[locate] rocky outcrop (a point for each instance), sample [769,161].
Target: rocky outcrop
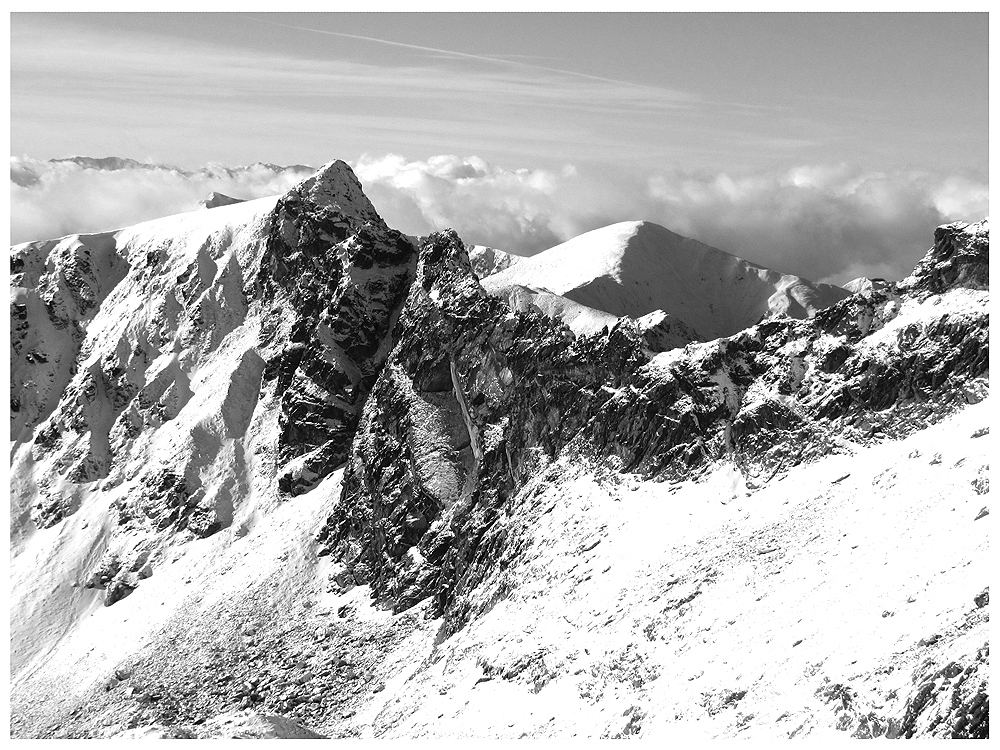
[56,286]
[472,392]
[424,501]
[332,260]
[960,258]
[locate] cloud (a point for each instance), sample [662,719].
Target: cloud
[52,199]
[821,221]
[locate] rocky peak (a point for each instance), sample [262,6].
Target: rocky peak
[332,260]
[959,258]
[335,187]
[260,333]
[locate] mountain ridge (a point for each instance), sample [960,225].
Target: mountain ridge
[25,176]
[635,268]
[328,451]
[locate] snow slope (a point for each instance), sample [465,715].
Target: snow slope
[702,611]
[815,607]
[487,261]
[45,607]
[582,320]
[635,268]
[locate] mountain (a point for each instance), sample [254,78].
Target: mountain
[636,268]
[864,285]
[28,173]
[117,163]
[110,163]
[487,261]
[660,330]
[215,199]
[278,469]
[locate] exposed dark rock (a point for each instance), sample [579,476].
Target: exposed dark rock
[781,393]
[951,701]
[331,258]
[960,258]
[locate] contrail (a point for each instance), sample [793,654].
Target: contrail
[465,55]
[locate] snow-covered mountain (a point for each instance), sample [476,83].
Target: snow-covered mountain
[487,261]
[280,470]
[636,268]
[116,163]
[216,199]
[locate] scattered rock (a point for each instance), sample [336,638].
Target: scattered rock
[982,598]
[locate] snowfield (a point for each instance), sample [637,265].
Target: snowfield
[703,611]
[688,611]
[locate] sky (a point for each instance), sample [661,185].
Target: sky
[820,144]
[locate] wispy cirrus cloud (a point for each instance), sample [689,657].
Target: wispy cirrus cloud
[142,91]
[521,62]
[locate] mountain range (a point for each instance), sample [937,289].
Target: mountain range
[25,176]
[281,470]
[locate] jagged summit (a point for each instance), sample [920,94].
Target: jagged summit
[635,268]
[337,188]
[960,257]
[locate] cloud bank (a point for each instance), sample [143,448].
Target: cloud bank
[52,199]
[826,222]
[823,222]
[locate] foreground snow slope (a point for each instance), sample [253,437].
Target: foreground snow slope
[820,605]
[635,268]
[700,610]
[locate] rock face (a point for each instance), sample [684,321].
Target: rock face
[188,366]
[422,496]
[214,371]
[331,258]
